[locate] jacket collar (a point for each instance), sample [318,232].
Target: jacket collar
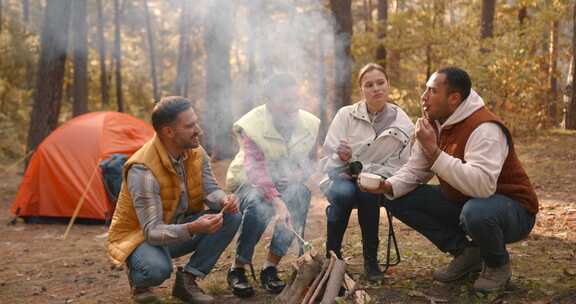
[360,111]
[300,131]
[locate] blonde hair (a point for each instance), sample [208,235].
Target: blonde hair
[370,67]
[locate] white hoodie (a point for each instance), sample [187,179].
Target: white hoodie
[484,155]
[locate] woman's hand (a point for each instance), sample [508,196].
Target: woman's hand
[344,151]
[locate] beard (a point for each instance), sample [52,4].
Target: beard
[189,143]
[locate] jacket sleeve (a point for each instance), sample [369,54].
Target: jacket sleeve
[337,131]
[415,172]
[392,150]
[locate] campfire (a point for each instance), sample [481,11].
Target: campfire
[315,278]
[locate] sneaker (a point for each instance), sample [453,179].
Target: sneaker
[186,289]
[468,261]
[239,284]
[493,279]
[270,280]
[144,295]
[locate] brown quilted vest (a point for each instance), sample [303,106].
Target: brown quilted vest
[513,180]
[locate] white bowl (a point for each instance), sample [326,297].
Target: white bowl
[369,181]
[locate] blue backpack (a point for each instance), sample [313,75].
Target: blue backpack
[112,176]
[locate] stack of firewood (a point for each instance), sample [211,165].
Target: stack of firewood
[317,279]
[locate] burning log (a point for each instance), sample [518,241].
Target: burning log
[314,277]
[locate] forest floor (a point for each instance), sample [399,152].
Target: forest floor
[37,266]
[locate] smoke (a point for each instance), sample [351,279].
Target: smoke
[246,42]
[268,37]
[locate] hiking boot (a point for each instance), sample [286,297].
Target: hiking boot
[186,289]
[371,267]
[372,271]
[270,280]
[493,278]
[239,284]
[468,261]
[144,295]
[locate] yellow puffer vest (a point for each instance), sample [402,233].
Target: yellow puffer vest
[282,158]
[125,233]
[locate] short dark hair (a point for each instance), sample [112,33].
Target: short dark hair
[167,109]
[278,81]
[457,80]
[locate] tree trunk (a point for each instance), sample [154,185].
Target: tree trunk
[80,89]
[1,19]
[51,65]
[571,108]
[522,14]
[102,53]
[183,67]
[254,8]
[342,10]
[552,72]
[487,21]
[381,30]
[152,52]
[368,15]
[217,119]
[118,56]
[29,61]
[26,11]
[322,88]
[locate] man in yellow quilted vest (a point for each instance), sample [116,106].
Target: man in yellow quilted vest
[161,210]
[277,153]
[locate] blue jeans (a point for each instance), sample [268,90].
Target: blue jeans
[257,213]
[490,222]
[151,265]
[344,196]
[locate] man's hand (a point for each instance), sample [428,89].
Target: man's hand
[230,204]
[344,151]
[282,214]
[384,188]
[426,136]
[206,224]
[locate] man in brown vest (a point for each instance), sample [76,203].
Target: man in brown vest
[484,200]
[160,213]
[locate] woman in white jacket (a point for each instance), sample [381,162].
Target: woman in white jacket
[376,134]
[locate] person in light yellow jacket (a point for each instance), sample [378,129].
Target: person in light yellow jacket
[160,214]
[277,152]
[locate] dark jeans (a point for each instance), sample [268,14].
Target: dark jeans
[257,214]
[344,196]
[490,222]
[151,265]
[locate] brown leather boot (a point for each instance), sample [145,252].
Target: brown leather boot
[468,261]
[144,295]
[493,278]
[186,289]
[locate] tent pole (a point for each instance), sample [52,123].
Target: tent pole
[81,201]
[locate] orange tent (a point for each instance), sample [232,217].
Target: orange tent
[61,167]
